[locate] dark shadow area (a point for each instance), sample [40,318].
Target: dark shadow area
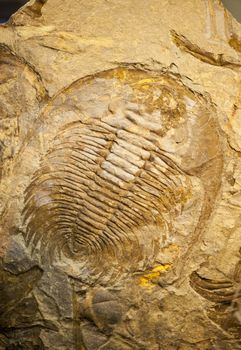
[234,6]
[8,7]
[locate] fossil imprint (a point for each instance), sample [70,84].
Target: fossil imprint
[124,162]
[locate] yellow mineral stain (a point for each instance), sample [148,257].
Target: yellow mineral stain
[147,81]
[148,280]
[145,87]
[121,74]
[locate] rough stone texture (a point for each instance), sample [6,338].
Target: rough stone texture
[120,134]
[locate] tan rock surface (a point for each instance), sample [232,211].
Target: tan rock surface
[120,193]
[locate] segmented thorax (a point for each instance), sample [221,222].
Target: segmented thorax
[120,166]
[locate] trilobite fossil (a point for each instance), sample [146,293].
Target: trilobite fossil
[126,144]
